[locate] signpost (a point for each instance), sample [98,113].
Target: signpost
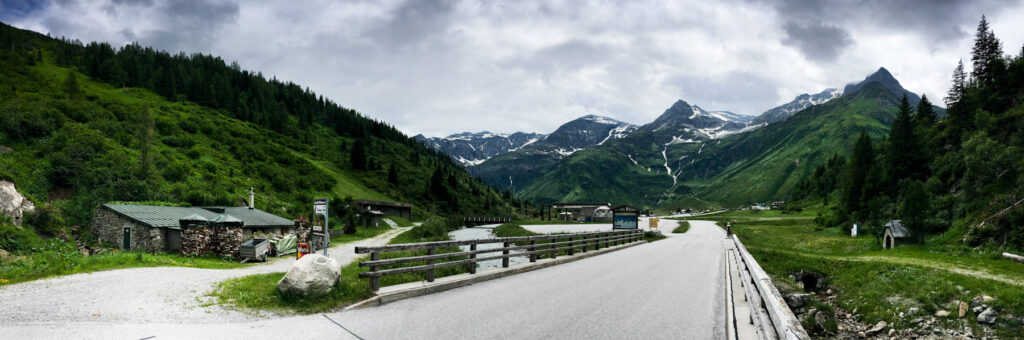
[320,227]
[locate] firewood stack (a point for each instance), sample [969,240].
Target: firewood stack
[196,240]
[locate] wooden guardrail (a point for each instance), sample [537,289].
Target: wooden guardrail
[478,220]
[781,318]
[535,246]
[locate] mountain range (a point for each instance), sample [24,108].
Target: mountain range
[689,156]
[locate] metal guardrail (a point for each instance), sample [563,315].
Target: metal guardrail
[760,288]
[549,245]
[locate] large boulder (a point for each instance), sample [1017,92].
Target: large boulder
[311,275]
[12,203]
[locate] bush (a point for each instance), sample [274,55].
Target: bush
[435,228]
[14,238]
[45,221]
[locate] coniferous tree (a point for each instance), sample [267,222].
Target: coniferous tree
[905,155]
[393,175]
[855,176]
[145,140]
[358,156]
[71,86]
[915,208]
[986,54]
[925,114]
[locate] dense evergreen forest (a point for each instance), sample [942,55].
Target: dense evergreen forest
[961,177]
[90,123]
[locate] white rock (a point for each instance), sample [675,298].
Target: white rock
[988,316]
[12,203]
[942,313]
[311,275]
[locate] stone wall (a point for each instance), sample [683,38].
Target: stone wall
[106,225]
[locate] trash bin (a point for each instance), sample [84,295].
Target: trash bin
[302,249]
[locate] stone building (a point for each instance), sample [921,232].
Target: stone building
[402,210]
[188,230]
[894,230]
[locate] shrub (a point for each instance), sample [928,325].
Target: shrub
[435,228]
[45,221]
[14,238]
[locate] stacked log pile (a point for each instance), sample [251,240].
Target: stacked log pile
[196,240]
[227,239]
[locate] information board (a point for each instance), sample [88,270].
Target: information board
[625,222]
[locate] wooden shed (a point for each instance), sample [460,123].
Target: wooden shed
[894,230]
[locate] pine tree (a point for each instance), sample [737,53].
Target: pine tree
[855,175]
[925,114]
[958,86]
[915,207]
[986,54]
[358,156]
[905,154]
[145,140]
[71,86]
[393,175]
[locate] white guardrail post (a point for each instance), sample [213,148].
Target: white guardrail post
[786,325]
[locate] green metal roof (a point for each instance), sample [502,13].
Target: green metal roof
[169,217]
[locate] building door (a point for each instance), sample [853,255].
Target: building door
[127,244]
[888,242]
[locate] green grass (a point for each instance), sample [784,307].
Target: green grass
[361,234]
[55,258]
[879,284]
[402,223]
[259,292]
[512,230]
[683,227]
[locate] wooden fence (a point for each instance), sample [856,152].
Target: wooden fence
[480,220]
[763,294]
[534,246]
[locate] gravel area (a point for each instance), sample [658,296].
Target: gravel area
[143,295]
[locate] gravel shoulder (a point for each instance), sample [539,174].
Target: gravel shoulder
[143,295]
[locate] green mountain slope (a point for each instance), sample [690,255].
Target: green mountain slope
[76,146]
[755,166]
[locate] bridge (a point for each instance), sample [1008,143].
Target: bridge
[472,221]
[696,285]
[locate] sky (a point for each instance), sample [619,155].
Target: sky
[439,67]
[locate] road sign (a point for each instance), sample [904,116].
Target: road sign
[320,208]
[654,222]
[318,229]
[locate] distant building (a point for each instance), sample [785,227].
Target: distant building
[579,211]
[396,209]
[371,218]
[759,206]
[602,214]
[894,230]
[778,204]
[159,228]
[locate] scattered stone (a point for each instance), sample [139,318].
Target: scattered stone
[313,274]
[987,299]
[978,309]
[797,300]
[862,334]
[917,321]
[3,253]
[877,328]
[942,313]
[988,316]
[829,292]
[963,310]
[6,148]
[892,331]
[976,302]
[913,310]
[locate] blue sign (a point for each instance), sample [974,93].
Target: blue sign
[625,222]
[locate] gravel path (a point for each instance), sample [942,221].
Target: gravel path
[143,295]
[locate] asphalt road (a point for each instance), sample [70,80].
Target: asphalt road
[669,289]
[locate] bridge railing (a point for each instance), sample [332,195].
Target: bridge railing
[530,246]
[761,290]
[474,220]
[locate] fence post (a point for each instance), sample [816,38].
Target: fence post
[572,246]
[583,243]
[554,253]
[472,265]
[374,281]
[504,260]
[533,257]
[430,272]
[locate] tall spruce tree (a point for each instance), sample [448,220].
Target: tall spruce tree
[986,54]
[854,177]
[905,154]
[71,86]
[925,114]
[915,207]
[358,155]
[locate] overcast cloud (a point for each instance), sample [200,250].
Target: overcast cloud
[439,67]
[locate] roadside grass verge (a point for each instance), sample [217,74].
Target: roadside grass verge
[683,227]
[512,230]
[880,284]
[56,258]
[539,222]
[361,234]
[402,223]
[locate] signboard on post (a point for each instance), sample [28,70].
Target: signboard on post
[321,222]
[625,217]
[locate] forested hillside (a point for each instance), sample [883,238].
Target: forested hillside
[961,177]
[90,124]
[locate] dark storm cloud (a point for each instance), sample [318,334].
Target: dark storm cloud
[188,25]
[938,21]
[723,91]
[817,41]
[413,22]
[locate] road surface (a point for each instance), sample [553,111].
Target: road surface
[669,289]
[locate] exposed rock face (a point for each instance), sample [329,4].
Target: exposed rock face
[311,275]
[12,203]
